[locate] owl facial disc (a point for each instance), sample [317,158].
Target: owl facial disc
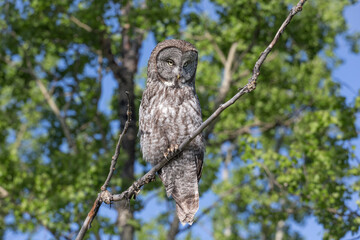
[175,67]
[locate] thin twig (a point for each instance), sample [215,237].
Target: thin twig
[52,104]
[117,150]
[81,24]
[264,126]
[263,55]
[56,111]
[20,135]
[216,48]
[229,68]
[174,228]
[105,195]
[226,83]
[272,178]
[3,192]
[99,90]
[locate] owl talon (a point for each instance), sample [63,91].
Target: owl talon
[171,151]
[136,191]
[174,148]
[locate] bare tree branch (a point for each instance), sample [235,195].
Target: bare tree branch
[81,24]
[174,228]
[230,64]
[134,189]
[52,105]
[20,135]
[131,41]
[117,150]
[263,126]
[225,85]
[57,113]
[3,192]
[263,55]
[97,113]
[49,100]
[272,178]
[105,195]
[216,48]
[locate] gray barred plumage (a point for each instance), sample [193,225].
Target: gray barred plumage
[169,112]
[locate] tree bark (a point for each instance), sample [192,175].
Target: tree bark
[174,229]
[130,46]
[124,74]
[280,230]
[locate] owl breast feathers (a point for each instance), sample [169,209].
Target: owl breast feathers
[169,113]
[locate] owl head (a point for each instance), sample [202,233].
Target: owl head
[173,63]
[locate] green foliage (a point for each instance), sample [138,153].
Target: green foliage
[281,153]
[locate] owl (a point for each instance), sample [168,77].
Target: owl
[169,113]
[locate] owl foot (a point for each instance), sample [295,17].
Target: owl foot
[151,178]
[136,191]
[171,151]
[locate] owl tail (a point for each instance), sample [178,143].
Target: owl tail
[181,183]
[186,205]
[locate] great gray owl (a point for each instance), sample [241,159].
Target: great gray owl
[169,112]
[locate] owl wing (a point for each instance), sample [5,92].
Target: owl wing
[199,160]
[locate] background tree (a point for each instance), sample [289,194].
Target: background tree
[282,154]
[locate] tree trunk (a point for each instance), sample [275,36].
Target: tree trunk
[280,230]
[174,229]
[130,45]
[131,42]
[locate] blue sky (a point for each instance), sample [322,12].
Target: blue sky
[348,74]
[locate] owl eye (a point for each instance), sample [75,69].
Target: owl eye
[186,63]
[170,62]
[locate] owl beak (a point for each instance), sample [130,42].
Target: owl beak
[178,76]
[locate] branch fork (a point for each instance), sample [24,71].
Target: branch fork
[106,196]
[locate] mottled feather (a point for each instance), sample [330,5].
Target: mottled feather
[170,112]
